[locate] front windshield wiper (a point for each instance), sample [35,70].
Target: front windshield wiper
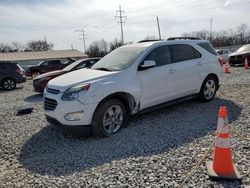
[103,69]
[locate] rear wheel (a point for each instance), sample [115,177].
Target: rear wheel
[108,119]
[9,84]
[208,89]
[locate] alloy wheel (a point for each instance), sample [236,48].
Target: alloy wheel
[209,89]
[113,119]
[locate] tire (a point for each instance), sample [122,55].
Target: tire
[9,84]
[107,111]
[208,89]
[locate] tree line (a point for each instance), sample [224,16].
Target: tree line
[231,37]
[31,46]
[99,48]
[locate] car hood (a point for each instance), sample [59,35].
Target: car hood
[239,53]
[65,81]
[50,74]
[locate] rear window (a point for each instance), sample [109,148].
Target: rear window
[184,52]
[208,47]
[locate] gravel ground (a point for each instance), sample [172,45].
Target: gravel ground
[158,149]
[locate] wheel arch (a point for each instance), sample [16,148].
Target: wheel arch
[127,100]
[216,78]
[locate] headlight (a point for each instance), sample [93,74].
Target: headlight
[75,92]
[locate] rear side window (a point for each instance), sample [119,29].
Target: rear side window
[208,47]
[184,52]
[55,62]
[160,55]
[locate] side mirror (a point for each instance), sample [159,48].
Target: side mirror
[147,64]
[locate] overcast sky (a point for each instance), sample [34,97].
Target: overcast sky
[24,20]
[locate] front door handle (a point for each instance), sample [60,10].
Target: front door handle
[171,71]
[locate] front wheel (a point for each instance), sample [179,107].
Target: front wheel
[108,118]
[208,89]
[9,84]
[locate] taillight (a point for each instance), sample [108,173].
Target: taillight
[19,70]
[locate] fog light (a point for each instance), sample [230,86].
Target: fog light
[75,116]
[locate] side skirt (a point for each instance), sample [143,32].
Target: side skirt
[169,103]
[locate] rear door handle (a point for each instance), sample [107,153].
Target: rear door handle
[199,63]
[171,71]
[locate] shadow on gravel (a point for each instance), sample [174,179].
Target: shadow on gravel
[38,98]
[52,153]
[5,91]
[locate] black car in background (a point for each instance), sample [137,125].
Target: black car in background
[10,75]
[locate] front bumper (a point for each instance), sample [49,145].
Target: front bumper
[76,130]
[38,87]
[57,109]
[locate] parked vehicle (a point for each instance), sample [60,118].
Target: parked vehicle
[47,66]
[224,54]
[40,82]
[132,79]
[238,57]
[11,74]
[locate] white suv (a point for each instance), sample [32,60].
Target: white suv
[131,79]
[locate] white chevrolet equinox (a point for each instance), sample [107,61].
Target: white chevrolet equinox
[132,79]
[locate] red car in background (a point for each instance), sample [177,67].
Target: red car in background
[40,82]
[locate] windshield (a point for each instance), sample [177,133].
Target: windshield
[72,65]
[119,59]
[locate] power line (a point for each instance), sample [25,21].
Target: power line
[120,16]
[159,31]
[83,38]
[211,24]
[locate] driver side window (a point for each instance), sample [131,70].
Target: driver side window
[161,56]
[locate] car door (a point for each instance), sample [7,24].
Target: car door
[54,65]
[158,83]
[188,66]
[2,71]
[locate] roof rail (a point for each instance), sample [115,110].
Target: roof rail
[184,38]
[150,40]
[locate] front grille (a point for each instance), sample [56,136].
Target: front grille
[53,91]
[49,104]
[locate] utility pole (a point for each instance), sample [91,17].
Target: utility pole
[46,44]
[121,12]
[159,31]
[211,24]
[83,38]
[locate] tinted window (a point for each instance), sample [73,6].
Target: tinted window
[45,63]
[2,66]
[161,56]
[197,53]
[183,52]
[56,62]
[207,46]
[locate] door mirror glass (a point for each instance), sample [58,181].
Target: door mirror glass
[147,64]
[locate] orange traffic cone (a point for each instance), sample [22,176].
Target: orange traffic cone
[246,63]
[222,166]
[226,68]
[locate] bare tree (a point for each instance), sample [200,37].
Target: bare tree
[39,45]
[97,48]
[230,37]
[4,48]
[114,44]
